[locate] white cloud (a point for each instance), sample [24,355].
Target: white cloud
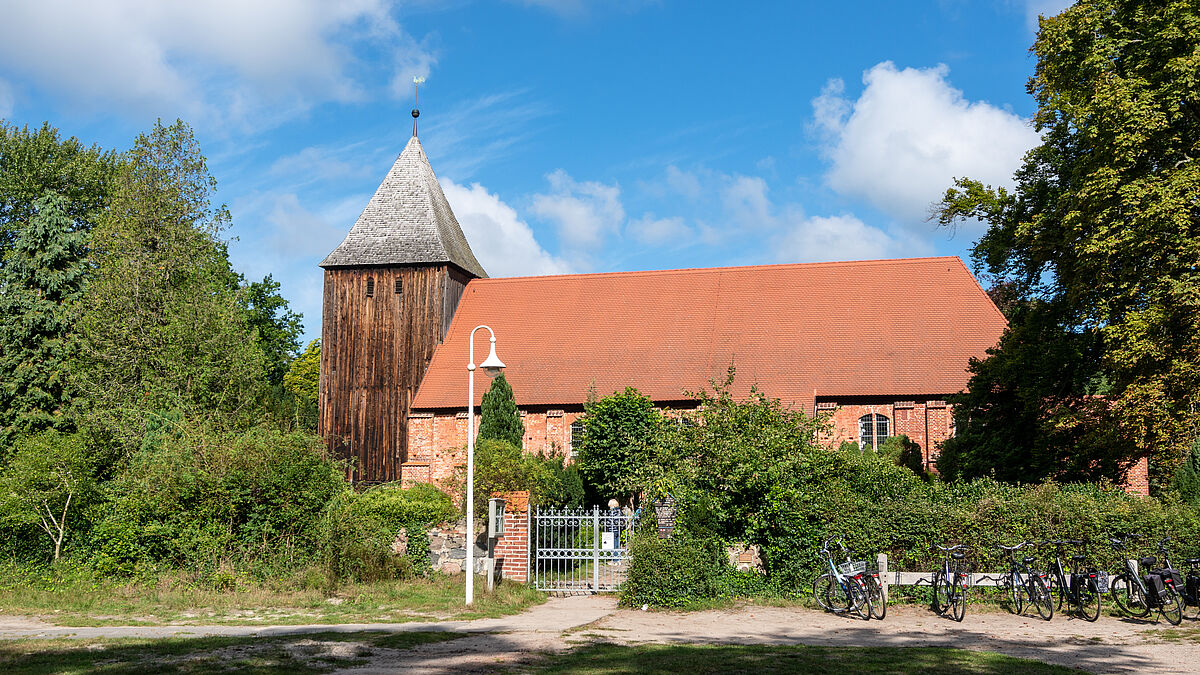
[584,213]
[1044,7]
[501,241]
[657,231]
[909,134]
[685,183]
[840,237]
[746,202]
[218,61]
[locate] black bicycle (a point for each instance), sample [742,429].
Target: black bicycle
[1138,595]
[951,581]
[1191,588]
[1082,587]
[1026,586]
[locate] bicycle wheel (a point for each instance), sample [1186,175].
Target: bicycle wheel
[1171,607]
[822,590]
[959,597]
[941,599]
[1089,601]
[860,598]
[1057,591]
[1039,596]
[1016,599]
[878,602]
[1128,596]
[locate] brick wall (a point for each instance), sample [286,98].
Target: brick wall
[512,549]
[1137,480]
[926,422]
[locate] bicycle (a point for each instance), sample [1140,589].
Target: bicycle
[1191,587]
[1137,595]
[1083,588]
[1025,585]
[841,589]
[950,583]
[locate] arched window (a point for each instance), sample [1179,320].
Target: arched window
[872,431]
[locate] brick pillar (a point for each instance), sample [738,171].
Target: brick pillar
[1137,480]
[512,549]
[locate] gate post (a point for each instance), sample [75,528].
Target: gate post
[595,549]
[513,547]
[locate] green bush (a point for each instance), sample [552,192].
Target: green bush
[360,529]
[200,498]
[502,467]
[673,572]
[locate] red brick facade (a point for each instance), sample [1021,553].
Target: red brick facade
[512,549]
[926,422]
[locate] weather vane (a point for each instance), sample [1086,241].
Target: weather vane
[417,82]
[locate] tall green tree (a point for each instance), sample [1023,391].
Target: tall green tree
[34,162]
[620,441]
[162,326]
[500,418]
[279,328]
[41,283]
[1101,236]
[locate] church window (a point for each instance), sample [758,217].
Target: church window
[576,437]
[873,430]
[370,287]
[399,286]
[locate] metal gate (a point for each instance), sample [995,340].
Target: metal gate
[580,550]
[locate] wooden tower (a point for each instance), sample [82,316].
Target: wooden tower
[391,289]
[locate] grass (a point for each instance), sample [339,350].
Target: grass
[699,659]
[75,598]
[311,653]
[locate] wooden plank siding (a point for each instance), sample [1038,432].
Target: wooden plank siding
[374,352]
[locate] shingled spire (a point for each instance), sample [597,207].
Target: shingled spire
[408,221]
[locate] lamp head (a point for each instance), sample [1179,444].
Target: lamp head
[492,365]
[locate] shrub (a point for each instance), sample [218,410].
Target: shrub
[621,434]
[197,497]
[673,572]
[361,528]
[502,467]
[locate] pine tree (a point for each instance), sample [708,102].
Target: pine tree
[501,420]
[40,285]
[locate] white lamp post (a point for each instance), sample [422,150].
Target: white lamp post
[492,366]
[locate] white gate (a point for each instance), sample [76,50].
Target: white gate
[580,550]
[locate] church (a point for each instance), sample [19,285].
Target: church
[876,346]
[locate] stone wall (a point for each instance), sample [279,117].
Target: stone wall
[448,550]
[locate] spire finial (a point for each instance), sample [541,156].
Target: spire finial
[417,81]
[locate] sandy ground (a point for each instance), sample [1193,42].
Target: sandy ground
[1108,646]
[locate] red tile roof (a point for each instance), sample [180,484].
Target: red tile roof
[902,328]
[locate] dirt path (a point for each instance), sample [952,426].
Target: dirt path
[1108,646]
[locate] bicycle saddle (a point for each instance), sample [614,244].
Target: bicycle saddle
[958,556]
[1079,558]
[1028,560]
[1148,562]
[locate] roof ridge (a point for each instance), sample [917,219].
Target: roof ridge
[731,268]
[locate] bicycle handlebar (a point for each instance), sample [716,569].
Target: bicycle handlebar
[956,547]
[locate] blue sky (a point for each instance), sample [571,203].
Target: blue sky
[569,135]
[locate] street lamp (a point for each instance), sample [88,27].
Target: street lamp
[492,366]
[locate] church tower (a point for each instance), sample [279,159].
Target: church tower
[391,289]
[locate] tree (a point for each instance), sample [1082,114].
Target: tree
[279,328]
[33,163]
[162,326]
[40,286]
[1099,239]
[620,437]
[303,380]
[500,418]
[47,475]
